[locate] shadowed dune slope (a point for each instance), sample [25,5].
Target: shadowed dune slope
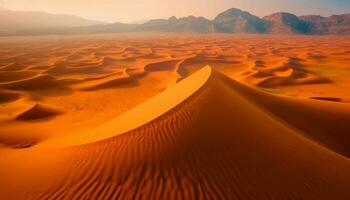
[324,122]
[38,112]
[215,141]
[6,97]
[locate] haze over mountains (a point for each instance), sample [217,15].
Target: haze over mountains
[36,22]
[229,21]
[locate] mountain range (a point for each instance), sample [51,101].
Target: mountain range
[230,21]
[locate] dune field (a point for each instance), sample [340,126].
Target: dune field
[175,116]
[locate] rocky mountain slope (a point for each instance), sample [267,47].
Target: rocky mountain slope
[237,21]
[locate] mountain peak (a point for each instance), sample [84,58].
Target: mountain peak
[172,18]
[233,10]
[238,21]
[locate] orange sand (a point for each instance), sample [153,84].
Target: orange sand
[127,116]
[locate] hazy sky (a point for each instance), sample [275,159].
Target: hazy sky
[132,10]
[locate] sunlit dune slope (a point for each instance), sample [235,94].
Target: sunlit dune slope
[207,137]
[140,115]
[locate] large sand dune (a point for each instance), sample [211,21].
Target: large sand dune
[96,117]
[202,138]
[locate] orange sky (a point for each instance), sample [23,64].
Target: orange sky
[131,10]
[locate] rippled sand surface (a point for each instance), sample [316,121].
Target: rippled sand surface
[167,116]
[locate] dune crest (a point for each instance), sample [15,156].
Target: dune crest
[142,114]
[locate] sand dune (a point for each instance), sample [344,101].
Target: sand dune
[328,98]
[35,83]
[151,110]
[289,72]
[38,112]
[166,65]
[114,80]
[329,126]
[13,76]
[6,97]
[122,117]
[200,145]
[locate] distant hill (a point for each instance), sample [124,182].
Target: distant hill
[286,23]
[237,21]
[230,21]
[335,24]
[18,22]
[184,24]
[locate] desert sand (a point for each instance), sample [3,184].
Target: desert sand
[170,116]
